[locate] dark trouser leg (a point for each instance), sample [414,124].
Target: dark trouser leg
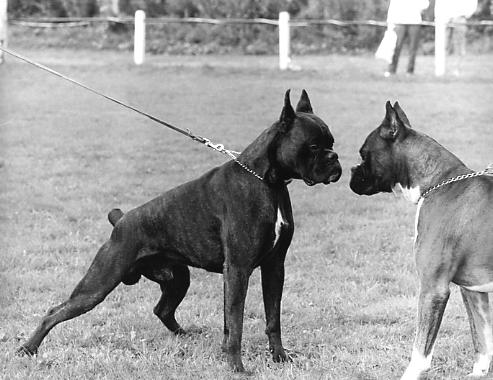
[414,34]
[173,292]
[457,44]
[400,30]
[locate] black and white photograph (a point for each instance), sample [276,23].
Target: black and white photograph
[246,189]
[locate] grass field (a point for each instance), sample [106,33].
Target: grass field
[67,157]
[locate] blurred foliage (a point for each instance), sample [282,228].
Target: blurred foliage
[250,39]
[53,8]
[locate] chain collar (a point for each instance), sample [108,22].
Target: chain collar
[232,154]
[487,171]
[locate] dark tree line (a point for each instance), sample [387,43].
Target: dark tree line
[315,9]
[250,39]
[343,9]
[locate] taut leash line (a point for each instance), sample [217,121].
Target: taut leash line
[217,147]
[43,67]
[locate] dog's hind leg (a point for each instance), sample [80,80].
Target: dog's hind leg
[477,306]
[173,292]
[101,278]
[433,298]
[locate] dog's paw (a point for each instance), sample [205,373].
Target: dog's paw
[194,330]
[224,345]
[280,355]
[180,332]
[481,367]
[190,331]
[236,365]
[26,351]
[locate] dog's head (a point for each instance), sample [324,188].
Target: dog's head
[304,146]
[381,154]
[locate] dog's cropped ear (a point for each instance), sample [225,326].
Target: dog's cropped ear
[392,127]
[401,115]
[287,114]
[304,104]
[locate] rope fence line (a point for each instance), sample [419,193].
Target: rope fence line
[70,22]
[283,24]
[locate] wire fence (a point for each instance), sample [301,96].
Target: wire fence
[70,22]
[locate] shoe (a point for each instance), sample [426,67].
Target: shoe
[387,74]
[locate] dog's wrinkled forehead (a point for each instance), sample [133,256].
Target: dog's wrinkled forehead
[313,128]
[372,143]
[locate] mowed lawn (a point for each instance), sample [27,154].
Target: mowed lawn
[67,157]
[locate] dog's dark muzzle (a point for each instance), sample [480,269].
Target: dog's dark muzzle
[334,168]
[326,173]
[362,183]
[334,174]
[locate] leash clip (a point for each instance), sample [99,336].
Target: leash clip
[218,147]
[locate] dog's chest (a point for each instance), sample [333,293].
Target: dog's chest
[280,222]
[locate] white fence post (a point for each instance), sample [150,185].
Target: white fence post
[284,59]
[3,27]
[440,37]
[139,37]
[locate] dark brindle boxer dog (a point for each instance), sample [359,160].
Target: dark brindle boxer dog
[453,231]
[227,221]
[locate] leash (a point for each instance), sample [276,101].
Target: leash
[487,171]
[205,141]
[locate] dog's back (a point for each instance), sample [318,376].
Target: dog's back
[186,222]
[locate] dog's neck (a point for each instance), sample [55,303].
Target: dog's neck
[260,156]
[424,164]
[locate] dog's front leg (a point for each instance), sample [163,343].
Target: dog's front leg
[272,285]
[433,298]
[235,289]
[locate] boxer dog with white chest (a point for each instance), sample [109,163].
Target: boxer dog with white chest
[453,228]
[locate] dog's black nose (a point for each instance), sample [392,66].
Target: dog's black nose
[332,156]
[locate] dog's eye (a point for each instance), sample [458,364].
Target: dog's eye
[314,147]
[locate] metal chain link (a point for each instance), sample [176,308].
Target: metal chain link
[487,171]
[231,153]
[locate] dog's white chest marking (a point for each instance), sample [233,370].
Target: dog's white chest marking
[416,220]
[412,194]
[485,288]
[277,228]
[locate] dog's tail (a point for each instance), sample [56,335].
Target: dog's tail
[115,215]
